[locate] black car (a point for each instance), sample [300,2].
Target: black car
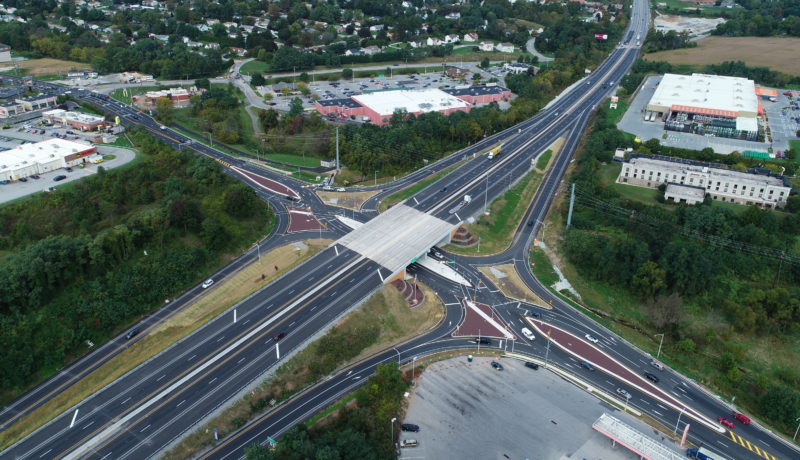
[444,189]
[132,333]
[59,177]
[68,169]
[535,314]
[280,335]
[497,365]
[651,377]
[587,365]
[35,176]
[483,341]
[533,366]
[23,179]
[409,427]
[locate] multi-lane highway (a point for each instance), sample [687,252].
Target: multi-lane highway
[140,414]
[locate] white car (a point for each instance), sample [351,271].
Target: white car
[591,338]
[623,393]
[207,283]
[527,333]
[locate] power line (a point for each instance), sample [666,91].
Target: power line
[610,209]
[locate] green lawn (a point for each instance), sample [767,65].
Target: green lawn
[254,66]
[795,145]
[297,160]
[544,158]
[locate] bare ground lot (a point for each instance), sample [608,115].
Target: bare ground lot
[777,53]
[47,66]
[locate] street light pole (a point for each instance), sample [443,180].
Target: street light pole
[627,398]
[798,429]
[258,248]
[679,420]
[547,352]
[413,371]
[376,178]
[394,419]
[659,344]
[398,355]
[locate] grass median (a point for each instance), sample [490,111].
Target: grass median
[349,200]
[496,230]
[209,305]
[380,322]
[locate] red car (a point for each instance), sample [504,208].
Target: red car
[741,417]
[725,422]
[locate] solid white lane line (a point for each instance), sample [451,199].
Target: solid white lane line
[92,443]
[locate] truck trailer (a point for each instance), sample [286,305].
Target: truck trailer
[703,454]
[495,151]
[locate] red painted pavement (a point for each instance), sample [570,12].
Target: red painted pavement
[301,219]
[585,351]
[474,324]
[267,184]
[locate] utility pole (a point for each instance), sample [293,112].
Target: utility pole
[571,203]
[486,196]
[337,149]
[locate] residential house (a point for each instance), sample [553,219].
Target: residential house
[433,41]
[354,52]
[371,50]
[486,46]
[454,38]
[454,15]
[504,47]
[470,37]
[416,44]
[241,52]
[376,28]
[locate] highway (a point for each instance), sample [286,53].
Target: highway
[142,413]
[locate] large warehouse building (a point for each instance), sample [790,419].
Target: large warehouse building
[707,105]
[378,107]
[41,157]
[689,181]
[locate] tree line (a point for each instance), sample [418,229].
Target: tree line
[657,40]
[762,19]
[709,299]
[83,261]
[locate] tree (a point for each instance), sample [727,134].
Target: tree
[165,110]
[202,83]
[649,280]
[257,79]
[485,63]
[476,76]
[303,88]
[347,73]
[295,106]
[240,201]
[268,96]
[304,77]
[665,311]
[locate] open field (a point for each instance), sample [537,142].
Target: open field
[777,53]
[47,66]
[385,318]
[225,294]
[511,284]
[349,200]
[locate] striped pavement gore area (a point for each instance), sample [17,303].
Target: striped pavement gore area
[751,447]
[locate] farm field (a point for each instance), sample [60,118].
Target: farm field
[777,53]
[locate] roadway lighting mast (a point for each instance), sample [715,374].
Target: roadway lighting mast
[659,344]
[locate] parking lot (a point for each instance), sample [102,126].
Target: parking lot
[784,121]
[784,118]
[470,410]
[10,138]
[346,88]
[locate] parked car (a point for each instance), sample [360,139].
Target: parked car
[59,177]
[23,179]
[497,365]
[741,417]
[36,176]
[207,283]
[591,338]
[68,169]
[652,377]
[409,443]
[533,366]
[725,422]
[409,427]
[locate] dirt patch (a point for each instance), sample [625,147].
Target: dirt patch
[349,200]
[695,26]
[47,66]
[226,293]
[777,53]
[512,285]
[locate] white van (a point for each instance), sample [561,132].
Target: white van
[528,333]
[409,443]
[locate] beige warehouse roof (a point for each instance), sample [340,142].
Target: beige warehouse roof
[715,92]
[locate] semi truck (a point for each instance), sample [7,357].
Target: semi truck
[495,152]
[703,454]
